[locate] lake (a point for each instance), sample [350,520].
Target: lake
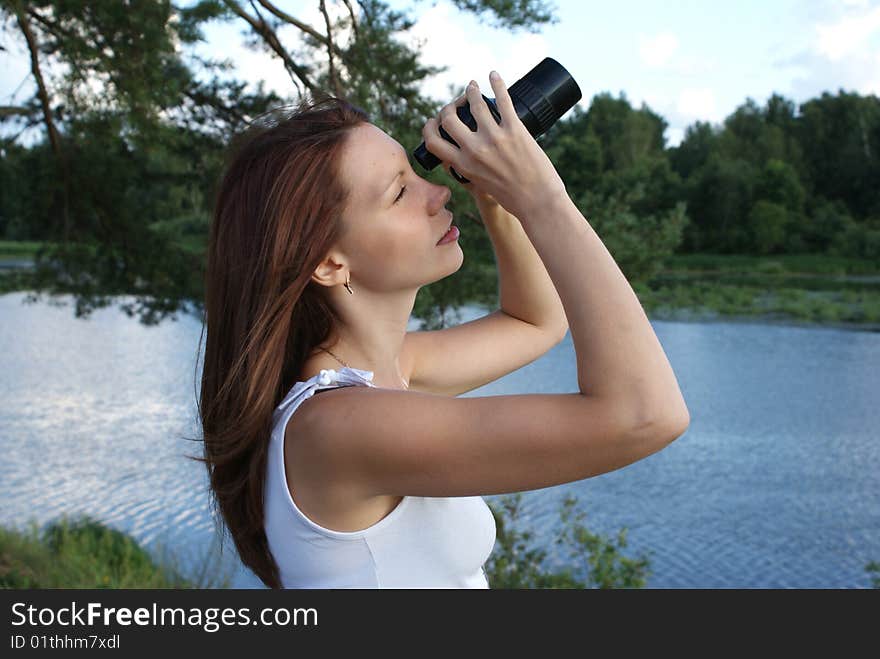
[775,484]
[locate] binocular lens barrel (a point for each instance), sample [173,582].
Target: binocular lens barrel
[540,97]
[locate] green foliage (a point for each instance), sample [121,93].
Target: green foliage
[122,196]
[807,264]
[84,553]
[807,288]
[861,240]
[721,196]
[638,243]
[779,183]
[593,561]
[767,224]
[840,137]
[874,568]
[699,143]
[829,221]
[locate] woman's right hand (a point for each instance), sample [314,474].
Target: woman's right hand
[500,159]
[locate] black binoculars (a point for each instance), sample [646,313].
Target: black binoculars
[540,97]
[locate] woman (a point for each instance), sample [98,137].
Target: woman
[321,238]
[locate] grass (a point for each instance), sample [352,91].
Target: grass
[14,249]
[84,553]
[791,287]
[813,264]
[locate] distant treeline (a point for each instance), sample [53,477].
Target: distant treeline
[771,179]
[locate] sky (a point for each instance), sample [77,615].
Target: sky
[687,60]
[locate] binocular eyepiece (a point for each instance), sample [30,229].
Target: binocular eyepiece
[540,97]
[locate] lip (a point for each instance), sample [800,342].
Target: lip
[451,220]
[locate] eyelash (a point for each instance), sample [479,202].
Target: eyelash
[402,190]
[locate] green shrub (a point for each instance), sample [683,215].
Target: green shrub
[81,553]
[874,568]
[593,560]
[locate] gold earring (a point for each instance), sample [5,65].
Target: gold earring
[346,284]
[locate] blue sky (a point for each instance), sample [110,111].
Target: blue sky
[687,60]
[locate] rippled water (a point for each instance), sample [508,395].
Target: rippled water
[775,484]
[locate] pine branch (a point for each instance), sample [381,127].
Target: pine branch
[271,39]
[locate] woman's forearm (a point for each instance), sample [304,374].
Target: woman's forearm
[526,290]
[618,355]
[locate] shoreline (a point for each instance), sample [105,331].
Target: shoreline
[690,315]
[694,315]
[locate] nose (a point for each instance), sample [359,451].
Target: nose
[445,197]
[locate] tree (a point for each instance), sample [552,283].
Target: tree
[700,141]
[626,135]
[840,138]
[778,182]
[614,165]
[767,222]
[720,198]
[128,81]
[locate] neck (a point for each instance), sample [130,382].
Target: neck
[372,333]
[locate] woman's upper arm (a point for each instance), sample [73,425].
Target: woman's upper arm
[383,441]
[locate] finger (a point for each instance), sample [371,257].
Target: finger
[452,123]
[435,143]
[502,99]
[479,109]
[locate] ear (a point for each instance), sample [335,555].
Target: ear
[329,272]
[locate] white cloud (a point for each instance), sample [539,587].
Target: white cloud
[697,103]
[447,37]
[845,54]
[656,51]
[848,35]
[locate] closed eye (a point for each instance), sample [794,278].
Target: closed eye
[402,190]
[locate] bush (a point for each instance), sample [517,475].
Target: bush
[595,561]
[874,568]
[859,241]
[82,553]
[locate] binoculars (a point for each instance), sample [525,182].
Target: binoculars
[540,97]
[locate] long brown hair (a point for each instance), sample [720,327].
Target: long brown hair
[277,214]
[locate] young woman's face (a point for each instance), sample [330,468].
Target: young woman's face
[394,218]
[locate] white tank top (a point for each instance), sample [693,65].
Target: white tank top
[425,542]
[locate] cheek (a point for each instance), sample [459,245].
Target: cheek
[403,245]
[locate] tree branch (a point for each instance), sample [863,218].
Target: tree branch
[287,18]
[271,39]
[61,34]
[333,77]
[13,110]
[354,25]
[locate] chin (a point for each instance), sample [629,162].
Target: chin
[458,259]
[451,265]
